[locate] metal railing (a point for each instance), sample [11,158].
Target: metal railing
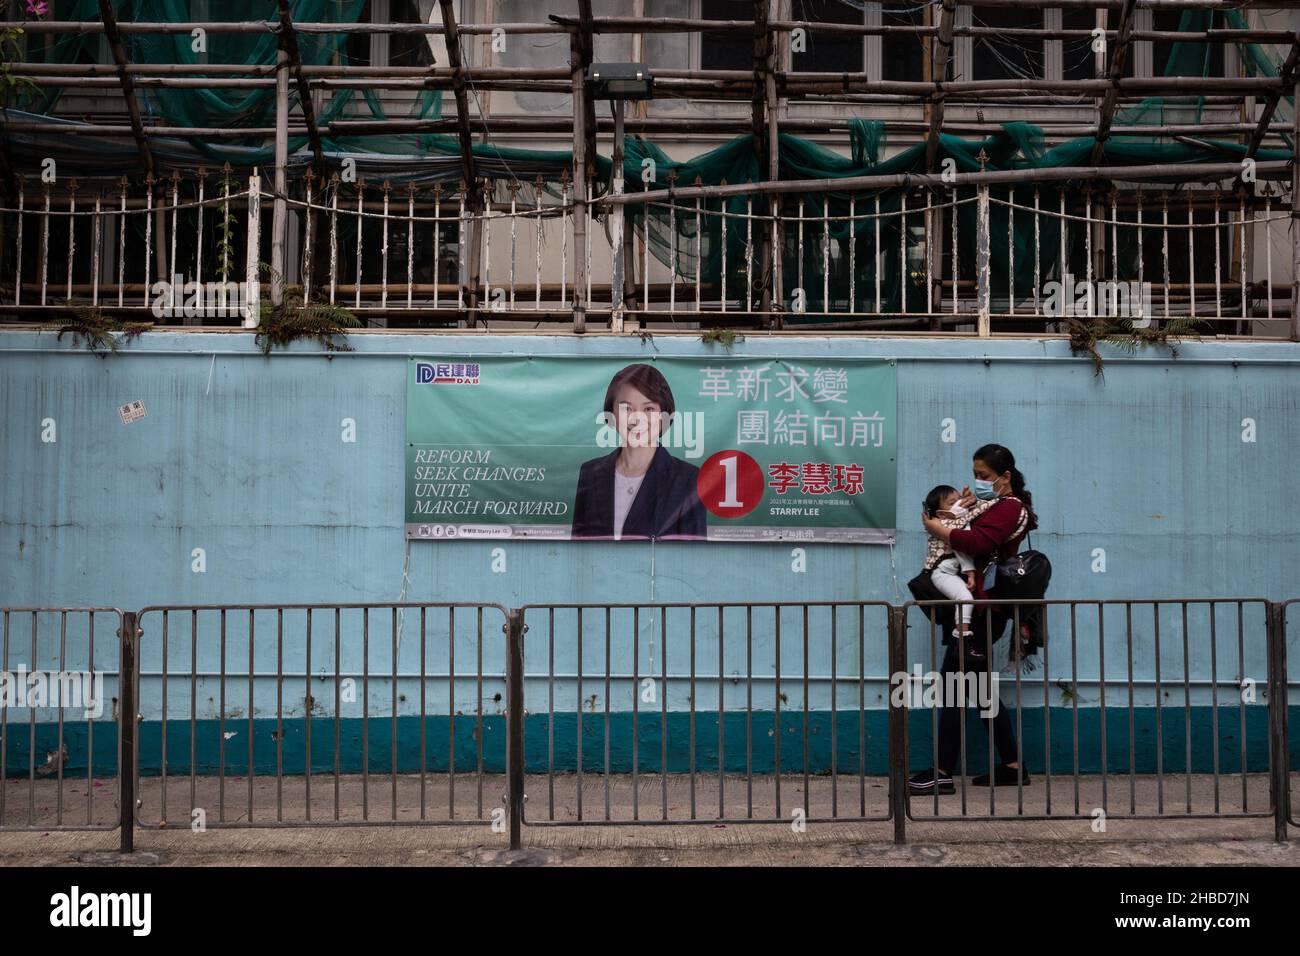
[672,711]
[652,714]
[318,723]
[1208,661]
[1281,729]
[402,255]
[67,752]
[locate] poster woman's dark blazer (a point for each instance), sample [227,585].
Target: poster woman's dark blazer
[667,505]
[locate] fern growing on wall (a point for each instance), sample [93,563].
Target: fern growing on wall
[299,318]
[102,333]
[1119,331]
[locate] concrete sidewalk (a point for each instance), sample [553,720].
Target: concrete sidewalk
[604,834]
[1185,843]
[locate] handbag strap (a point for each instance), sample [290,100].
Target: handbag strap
[1023,519]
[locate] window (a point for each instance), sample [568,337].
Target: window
[356,49]
[541,51]
[669,51]
[408,49]
[727,49]
[902,57]
[828,52]
[387,49]
[1078,60]
[821,51]
[1010,57]
[1186,59]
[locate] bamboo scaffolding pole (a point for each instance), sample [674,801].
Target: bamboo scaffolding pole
[628,24]
[289,43]
[763,107]
[1287,75]
[480,73]
[852,87]
[128,90]
[1119,56]
[579,59]
[256,83]
[280,211]
[590,127]
[848,82]
[1182,172]
[666,125]
[845,88]
[450,32]
[1295,229]
[474,186]
[942,54]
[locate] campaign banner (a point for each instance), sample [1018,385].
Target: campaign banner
[683,449]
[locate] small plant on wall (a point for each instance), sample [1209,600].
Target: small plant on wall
[1087,334]
[297,318]
[724,337]
[102,333]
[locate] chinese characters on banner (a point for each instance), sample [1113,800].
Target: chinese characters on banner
[827,386]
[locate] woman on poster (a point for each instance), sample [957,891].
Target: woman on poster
[639,490]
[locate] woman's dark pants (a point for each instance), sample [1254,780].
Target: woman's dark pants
[950,718]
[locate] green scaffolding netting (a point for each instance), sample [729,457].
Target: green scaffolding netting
[229,108]
[835,262]
[821,262]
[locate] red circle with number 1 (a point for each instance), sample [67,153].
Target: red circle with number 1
[730,484]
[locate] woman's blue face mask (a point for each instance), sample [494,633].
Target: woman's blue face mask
[984,490]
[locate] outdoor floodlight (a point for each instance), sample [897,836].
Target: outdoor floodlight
[620,81]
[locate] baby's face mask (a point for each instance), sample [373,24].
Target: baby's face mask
[956,509]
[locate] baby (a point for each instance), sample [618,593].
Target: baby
[951,571]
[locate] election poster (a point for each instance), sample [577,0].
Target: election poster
[663,448]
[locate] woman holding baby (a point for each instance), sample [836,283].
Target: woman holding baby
[992,536]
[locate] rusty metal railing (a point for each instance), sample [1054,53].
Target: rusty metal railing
[403,255]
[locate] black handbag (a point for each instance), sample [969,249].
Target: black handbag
[1025,576]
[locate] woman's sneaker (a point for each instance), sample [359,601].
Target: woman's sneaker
[928,781]
[1003,776]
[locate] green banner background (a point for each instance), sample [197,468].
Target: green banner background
[494,445]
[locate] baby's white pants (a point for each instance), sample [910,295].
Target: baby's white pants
[948,577]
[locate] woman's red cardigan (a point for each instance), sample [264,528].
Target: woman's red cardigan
[989,537]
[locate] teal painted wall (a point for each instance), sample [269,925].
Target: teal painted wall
[240,455]
[855,743]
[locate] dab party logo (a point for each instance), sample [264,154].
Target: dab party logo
[446,373]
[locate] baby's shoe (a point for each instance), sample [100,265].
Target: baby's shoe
[970,646]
